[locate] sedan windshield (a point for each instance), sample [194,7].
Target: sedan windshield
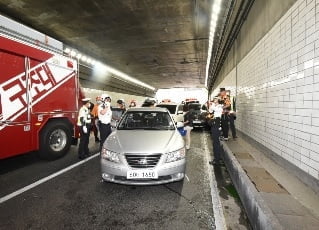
[146,120]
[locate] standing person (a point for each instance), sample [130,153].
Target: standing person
[84,122]
[232,117]
[118,111]
[105,116]
[132,104]
[188,126]
[95,118]
[149,102]
[216,110]
[225,115]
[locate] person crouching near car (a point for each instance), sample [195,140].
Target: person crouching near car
[215,111]
[188,126]
[84,123]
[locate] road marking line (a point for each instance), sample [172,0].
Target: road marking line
[219,217]
[41,181]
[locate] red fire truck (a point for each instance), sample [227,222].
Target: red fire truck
[39,93]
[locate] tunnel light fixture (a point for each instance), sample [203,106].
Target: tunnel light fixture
[67,50]
[104,68]
[122,75]
[73,53]
[216,7]
[83,58]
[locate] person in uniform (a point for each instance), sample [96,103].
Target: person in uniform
[226,109]
[105,116]
[228,117]
[149,102]
[84,123]
[215,113]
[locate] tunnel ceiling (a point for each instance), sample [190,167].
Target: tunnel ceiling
[160,42]
[163,43]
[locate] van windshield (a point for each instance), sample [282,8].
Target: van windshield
[194,106]
[171,108]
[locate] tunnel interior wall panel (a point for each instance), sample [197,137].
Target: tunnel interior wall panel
[277,88]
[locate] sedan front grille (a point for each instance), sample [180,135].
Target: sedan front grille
[142,161]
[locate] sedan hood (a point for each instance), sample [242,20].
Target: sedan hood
[144,141]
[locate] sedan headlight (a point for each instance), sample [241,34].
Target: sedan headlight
[176,155]
[110,155]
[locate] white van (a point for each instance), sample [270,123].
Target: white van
[174,109]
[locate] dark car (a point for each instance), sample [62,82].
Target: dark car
[199,114]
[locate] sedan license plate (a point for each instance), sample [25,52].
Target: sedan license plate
[196,122]
[141,174]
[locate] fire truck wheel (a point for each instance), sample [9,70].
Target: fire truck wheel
[55,140]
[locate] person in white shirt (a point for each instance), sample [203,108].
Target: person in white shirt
[216,110]
[105,116]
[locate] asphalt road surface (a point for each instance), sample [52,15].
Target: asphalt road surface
[78,199]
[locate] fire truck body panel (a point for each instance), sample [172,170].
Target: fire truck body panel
[39,95]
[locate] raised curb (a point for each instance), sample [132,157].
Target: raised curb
[259,214]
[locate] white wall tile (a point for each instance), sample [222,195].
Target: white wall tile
[278,88]
[314,164]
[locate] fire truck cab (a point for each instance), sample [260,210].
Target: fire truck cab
[39,93]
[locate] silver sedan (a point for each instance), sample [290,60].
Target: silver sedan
[145,149]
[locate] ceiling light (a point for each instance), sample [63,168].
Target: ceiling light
[102,68]
[216,7]
[73,53]
[122,75]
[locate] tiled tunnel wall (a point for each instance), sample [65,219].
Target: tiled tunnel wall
[278,88]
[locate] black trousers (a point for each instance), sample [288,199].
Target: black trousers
[105,131]
[215,125]
[231,119]
[225,126]
[84,142]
